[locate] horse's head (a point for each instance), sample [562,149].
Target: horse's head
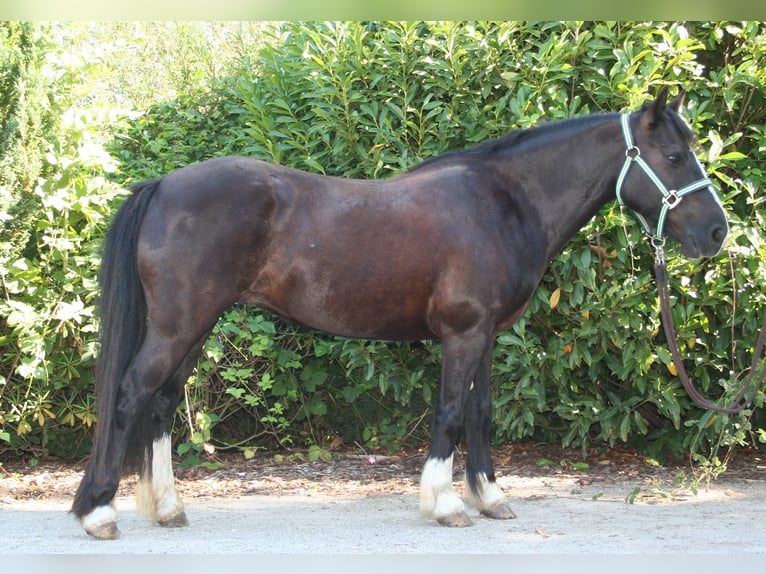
[664,184]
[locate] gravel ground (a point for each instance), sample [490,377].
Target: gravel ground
[357,505]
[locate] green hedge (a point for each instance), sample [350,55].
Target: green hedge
[26,125]
[52,166]
[587,365]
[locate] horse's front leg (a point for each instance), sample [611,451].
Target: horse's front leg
[483,493]
[462,358]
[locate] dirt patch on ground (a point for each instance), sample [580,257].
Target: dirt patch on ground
[350,471]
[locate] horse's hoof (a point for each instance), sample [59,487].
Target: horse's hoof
[499,511]
[455,520]
[176,521]
[104,531]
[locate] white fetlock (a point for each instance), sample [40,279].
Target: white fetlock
[490,499]
[101,523]
[437,497]
[156,496]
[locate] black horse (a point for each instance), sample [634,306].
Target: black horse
[452,249]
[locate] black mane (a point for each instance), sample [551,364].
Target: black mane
[516,138]
[513,139]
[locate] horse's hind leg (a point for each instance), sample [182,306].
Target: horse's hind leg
[156,495]
[482,492]
[156,361]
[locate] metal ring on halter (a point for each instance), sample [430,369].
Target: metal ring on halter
[672,199]
[635,149]
[659,248]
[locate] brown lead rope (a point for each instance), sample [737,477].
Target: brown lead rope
[744,398]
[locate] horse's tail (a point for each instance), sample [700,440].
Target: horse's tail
[122,316]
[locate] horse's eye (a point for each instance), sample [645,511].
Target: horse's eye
[674,158]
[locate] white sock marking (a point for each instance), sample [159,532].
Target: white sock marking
[98,517]
[490,495]
[157,498]
[437,497]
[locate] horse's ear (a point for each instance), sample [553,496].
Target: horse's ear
[653,114]
[678,101]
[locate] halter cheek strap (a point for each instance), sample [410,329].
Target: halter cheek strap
[670,198]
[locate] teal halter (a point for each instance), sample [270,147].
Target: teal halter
[670,198]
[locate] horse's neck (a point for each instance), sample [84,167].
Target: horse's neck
[577,177]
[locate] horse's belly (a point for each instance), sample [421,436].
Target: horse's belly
[365,311]
[354,323]
[394,329]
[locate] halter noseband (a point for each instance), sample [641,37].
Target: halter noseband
[670,198]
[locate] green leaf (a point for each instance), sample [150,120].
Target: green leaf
[624,428]
[732,155]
